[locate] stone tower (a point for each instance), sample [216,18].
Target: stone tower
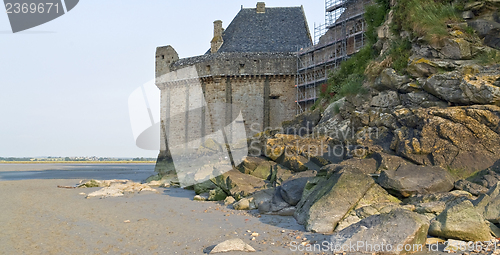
[249,70]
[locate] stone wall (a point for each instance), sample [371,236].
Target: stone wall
[259,85]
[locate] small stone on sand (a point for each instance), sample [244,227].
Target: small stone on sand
[235,244]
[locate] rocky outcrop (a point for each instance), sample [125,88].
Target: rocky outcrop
[399,231]
[410,180]
[466,137]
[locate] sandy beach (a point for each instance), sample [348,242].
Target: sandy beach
[39,218]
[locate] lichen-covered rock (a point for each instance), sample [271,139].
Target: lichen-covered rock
[399,228]
[410,180]
[332,199]
[238,184]
[467,89]
[465,137]
[264,169]
[456,48]
[216,194]
[376,195]
[367,165]
[375,201]
[461,221]
[423,67]
[389,79]
[487,177]
[299,153]
[203,187]
[386,99]
[435,200]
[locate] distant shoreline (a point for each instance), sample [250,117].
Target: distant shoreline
[77,162]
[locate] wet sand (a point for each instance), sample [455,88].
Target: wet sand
[36,217]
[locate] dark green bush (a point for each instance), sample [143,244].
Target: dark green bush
[375,16]
[400,53]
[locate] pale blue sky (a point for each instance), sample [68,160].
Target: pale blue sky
[65,84]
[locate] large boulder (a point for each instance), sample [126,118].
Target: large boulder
[388,162]
[399,232]
[461,221]
[332,110]
[389,79]
[489,204]
[456,48]
[410,180]
[299,153]
[237,184]
[321,209]
[291,191]
[375,201]
[265,169]
[277,205]
[386,99]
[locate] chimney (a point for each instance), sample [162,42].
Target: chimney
[261,7]
[217,41]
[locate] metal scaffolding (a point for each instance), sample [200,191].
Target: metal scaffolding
[339,37]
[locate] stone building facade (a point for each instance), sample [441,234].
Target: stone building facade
[249,69]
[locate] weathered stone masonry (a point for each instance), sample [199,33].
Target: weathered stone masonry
[250,67]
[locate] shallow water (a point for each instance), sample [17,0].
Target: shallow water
[134,172]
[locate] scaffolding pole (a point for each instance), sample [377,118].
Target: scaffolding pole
[345,26]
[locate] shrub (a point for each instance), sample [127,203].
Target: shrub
[352,85]
[375,16]
[400,53]
[349,73]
